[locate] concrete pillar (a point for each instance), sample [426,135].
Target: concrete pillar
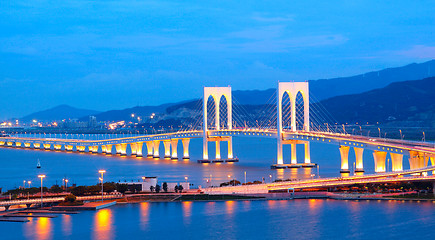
[68,147]
[133,147]
[205,146]
[2,143]
[150,149]
[139,146]
[293,154]
[95,149]
[109,149]
[185,142]
[218,149]
[307,152]
[359,159]
[379,157]
[230,148]
[81,148]
[118,149]
[416,160]
[27,145]
[396,162]
[9,144]
[123,149]
[156,148]
[18,144]
[47,146]
[167,145]
[174,143]
[57,147]
[344,153]
[36,145]
[103,149]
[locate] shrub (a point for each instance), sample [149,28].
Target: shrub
[70,198]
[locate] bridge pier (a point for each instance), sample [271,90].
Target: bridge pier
[218,150]
[123,149]
[396,162]
[150,148]
[139,146]
[156,144]
[109,149]
[2,143]
[47,146]
[359,159]
[94,149]
[174,143]
[379,157]
[307,152]
[167,146]
[417,160]
[27,145]
[293,153]
[133,147]
[57,147]
[81,148]
[18,144]
[185,142]
[344,153]
[9,144]
[69,148]
[36,145]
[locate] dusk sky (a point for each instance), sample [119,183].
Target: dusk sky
[106,55]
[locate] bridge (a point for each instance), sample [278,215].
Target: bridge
[288,119]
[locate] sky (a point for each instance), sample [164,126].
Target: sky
[105,55]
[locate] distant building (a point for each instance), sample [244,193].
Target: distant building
[144,186]
[92,123]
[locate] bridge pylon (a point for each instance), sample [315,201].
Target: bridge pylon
[217,93]
[292,89]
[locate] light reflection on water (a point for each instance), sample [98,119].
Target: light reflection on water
[103,224]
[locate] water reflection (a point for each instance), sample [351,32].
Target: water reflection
[66,225]
[144,215]
[187,212]
[43,228]
[103,224]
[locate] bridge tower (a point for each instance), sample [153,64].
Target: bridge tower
[217,93]
[292,89]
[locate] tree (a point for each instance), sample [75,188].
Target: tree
[70,198]
[122,188]
[109,187]
[152,188]
[165,187]
[180,188]
[176,188]
[157,188]
[79,191]
[56,189]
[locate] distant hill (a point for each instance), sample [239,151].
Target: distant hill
[58,113]
[125,114]
[401,101]
[326,88]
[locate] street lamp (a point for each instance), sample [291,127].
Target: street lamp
[143,179]
[185,178]
[101,179]
[66,184]
[379,132]
[29,182]
[245,177]
[270,176]
[41,177]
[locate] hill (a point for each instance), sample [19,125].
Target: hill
[58,113]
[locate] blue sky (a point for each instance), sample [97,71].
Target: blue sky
[106,55]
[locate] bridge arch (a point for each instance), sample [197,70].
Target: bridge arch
[223,113]
[286,110]
[300,114]
[211,109]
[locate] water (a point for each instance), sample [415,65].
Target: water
[295,219]
[304,219]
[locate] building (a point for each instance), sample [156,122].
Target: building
[147,182]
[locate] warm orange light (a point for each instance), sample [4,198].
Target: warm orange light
[41,176]
[102,171]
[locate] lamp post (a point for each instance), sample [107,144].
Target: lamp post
[143,179]
[66,184]
[41,177]
[379,129]
[102,179]
[29,182]
[245,177]
[185,178]
[270,176]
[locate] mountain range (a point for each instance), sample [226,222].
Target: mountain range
[365,97]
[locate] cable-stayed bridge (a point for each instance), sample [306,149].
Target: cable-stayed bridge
[287,117]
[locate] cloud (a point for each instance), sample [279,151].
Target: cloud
[419,51]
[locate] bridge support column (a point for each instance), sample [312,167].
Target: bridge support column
[150,149]
[205,146]
[230,148]
[47,146]
[359,159]
[185,142]
[156,148]
[307,152]
[81,148]
[27,145]
[36,145]
[379,157]
[344,153]
[68,147]
[416,160]
[279,158]
[123,149]
[95,149]
[133,147]
[174,143]
[109,149]
[18,144]
[9,144]
[2,143]
[118,149]
[293,153]
[139,146]
[396,162]
[218,149]
[57,147]
[167,145]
